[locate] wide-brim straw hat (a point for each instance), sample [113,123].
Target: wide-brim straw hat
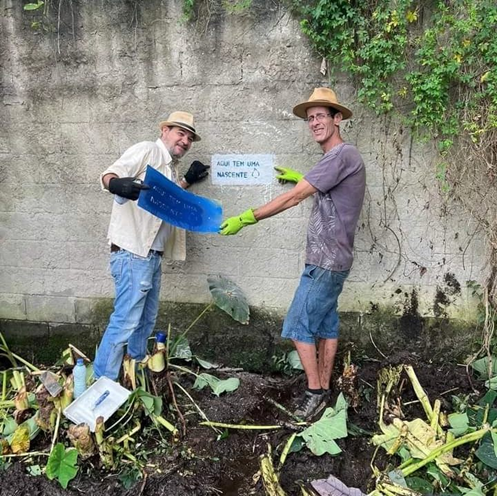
[321,97]
[183,120]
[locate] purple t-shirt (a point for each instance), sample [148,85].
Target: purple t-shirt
[340,179]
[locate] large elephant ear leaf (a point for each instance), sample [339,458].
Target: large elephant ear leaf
[229,297]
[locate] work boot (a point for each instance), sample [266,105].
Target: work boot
[311,405]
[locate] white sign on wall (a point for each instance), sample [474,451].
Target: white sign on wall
[242,170]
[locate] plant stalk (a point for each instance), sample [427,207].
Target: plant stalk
[173,347]
[183,369]
[468,438]
[241,426]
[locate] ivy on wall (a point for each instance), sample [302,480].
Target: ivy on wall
[436,61]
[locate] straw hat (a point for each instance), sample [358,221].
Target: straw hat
[321,97]
[183,120]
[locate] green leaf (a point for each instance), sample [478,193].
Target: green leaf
[481,366]
[218,386]
[341,403]
[294,360]
[420,485]
[62,464]
[34,470]
[437,474]
[182,349]
[397,477]
[297,445]
[486,452]
[475,491]
[33,6]
[488,399]
[491,383]
[205,364]
[229,297]
[320,436]
[9,426]
[129,477]
[151,403]
[388,438]
[459,423]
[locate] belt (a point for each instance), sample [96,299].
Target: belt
[114,248]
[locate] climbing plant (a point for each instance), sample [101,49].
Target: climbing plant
[434,61]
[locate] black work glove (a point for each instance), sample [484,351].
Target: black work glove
[196,172]
[126,187]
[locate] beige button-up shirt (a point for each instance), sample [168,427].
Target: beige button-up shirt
[131,227]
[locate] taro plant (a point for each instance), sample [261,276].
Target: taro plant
[227,296]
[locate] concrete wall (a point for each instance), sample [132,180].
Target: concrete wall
[101,77]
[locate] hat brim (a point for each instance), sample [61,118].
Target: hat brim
[196,137]
[300,109]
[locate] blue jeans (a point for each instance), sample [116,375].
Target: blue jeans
[313,313]
[137,284]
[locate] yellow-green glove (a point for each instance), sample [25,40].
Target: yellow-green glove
[288,175]
[234,224]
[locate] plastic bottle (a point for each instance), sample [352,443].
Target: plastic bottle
[160,341]
[79,375]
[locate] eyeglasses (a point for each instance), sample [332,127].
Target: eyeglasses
[318,117]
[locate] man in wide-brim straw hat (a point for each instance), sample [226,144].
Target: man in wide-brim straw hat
[338,184]
[138,240]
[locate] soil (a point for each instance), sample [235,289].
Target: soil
[200,464]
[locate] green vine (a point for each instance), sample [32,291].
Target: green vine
[445,76]
[366,39]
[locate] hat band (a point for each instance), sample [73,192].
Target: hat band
[182,124]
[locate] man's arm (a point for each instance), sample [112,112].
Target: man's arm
[183,184]
[106,179]
[287,200]
[281,203]
[125,187]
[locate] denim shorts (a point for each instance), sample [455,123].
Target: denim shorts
[313,313]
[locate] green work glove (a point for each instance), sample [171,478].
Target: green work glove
[233,224]
[288,175]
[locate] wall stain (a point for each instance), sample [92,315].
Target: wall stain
[411,323]
[445,295]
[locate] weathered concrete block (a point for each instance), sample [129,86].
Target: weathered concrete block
[18,280]
[12,306]
[36,254]
[50,309]
[89,256]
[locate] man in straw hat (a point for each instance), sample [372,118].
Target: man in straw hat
[138,240]
[337,183]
